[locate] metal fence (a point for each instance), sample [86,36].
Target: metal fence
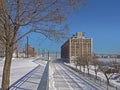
[99,81]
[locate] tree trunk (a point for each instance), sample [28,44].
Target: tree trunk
[84,68]
[107,79]
[7,66]
[76,66]
[88,70]
[95,74]
[80,68]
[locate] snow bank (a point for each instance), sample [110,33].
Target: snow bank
[20,67]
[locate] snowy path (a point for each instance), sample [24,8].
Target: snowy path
[32,79]
[25,73]
[66,79]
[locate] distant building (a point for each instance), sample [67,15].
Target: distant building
[118,56]
[21,54]
[30,51]
[76,46]
[107,55]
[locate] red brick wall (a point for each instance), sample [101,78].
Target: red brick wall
[31,51]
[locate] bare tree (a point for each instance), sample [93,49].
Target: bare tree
[83,63]
[114,63]
[88,62]
[96,64]
[41,16]
[106,70]
[76,60]
[79,62]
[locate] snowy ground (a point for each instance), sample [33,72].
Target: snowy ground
[114,82]
[21,66]
[63,78]
[60,76]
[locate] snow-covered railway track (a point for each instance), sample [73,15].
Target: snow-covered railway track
[80,80]
[71,84]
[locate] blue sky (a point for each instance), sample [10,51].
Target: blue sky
[100,20]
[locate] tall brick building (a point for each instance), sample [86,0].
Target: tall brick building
[76,46]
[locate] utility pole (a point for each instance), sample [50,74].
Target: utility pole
[27,47]
[48,55]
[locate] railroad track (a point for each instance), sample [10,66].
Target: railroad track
[80,79]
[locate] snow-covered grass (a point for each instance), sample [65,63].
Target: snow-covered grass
[20,67]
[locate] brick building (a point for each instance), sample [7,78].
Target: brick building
[30,51]
[76,46]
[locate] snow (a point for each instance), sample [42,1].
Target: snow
[20,67]
[59,75]
[63,78]
[51,79]
[113,81]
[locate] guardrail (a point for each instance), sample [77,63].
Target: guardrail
[44,82]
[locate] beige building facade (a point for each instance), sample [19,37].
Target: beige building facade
[76,46]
